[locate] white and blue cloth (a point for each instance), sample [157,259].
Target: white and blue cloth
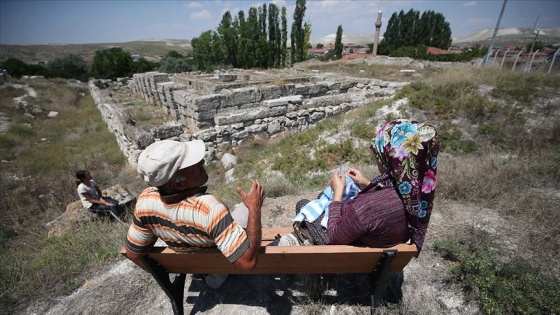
[313,210]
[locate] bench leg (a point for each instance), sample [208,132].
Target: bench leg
[174,290]
[379,276]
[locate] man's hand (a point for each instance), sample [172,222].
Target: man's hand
[253,200]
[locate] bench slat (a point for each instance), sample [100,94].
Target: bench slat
[284,260]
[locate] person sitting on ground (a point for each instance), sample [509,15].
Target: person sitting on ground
[92,199]
[392,208]
[178,210]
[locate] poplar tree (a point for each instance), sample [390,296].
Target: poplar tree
[229,38]
[307,37]
[338,43]
[255,40]
[298,33]
[202,46]
[254,54]
[413,29]
[284,48]
[242,43]
[274,38]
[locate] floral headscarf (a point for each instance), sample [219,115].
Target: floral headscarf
[408,151]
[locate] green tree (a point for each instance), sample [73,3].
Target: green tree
[176,65]
[274,36]
[69,66]
[228,34]
[174,54]
[143,65]
[202,46]
[284,50]
[338,46]
[253,35]
[297,36]
[412,29]
[242,48]
[16,68]
[112,63]
[307,36]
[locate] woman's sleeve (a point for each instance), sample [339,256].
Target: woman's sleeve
[344,226]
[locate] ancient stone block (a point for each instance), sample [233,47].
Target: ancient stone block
[318,89]
[224,77]
[270,92]
[241,96]
[275,102]
[208,102]
[274,127]
[167,131]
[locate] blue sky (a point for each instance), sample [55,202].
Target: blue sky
[105,21]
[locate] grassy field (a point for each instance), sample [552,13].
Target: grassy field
[500,150]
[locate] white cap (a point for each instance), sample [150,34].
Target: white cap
[162,159]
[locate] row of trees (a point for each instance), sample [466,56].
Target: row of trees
[412,29]
[107,64]
[258,40]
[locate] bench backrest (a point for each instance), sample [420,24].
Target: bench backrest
[285,260]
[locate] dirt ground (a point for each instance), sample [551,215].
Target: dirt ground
[123,288]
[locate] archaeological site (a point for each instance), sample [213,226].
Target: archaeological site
[227,107]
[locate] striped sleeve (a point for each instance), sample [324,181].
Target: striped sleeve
[229,236]
[140,238]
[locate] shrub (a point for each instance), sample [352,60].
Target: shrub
[501,288]
[112,63]
[69,67]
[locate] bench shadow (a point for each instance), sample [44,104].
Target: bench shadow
[279,293]
[266,291]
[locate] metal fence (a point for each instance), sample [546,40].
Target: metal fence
[517,61]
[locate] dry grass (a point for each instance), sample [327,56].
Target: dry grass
[365,70]
[40,157]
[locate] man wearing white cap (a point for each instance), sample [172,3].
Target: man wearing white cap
[178,210]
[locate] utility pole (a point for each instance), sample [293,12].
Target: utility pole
[494,36]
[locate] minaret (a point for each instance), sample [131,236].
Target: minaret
[377,28]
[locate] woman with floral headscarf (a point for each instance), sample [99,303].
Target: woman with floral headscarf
[396,205]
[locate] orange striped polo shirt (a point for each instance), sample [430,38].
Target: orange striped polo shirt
[200,221]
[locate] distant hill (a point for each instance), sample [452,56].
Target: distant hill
[509,36]
[151,49]
[505,36]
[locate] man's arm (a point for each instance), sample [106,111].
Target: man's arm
[253,200]
[136,258]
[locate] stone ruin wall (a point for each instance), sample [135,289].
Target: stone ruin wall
[223,110]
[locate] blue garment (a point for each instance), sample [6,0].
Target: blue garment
[311,211]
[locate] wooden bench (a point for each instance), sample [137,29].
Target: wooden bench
[339,259]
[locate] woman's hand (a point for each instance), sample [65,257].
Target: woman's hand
[358,177]
[338,182]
